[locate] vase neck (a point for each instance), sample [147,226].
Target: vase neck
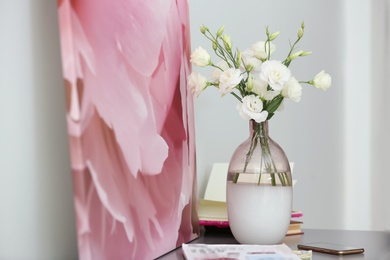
[261,128]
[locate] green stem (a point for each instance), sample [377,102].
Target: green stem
[236,96]
[251,149]
[235,178]
[222,51]
[266,157]
[259,136]
[288,179]
[287,61]
[259,181]
[282,178]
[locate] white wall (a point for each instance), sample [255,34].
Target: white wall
[330,136]
[37,214]
[358,100]
[380,114]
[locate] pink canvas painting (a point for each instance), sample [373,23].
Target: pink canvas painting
[131,126]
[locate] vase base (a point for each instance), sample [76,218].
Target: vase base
[258,214]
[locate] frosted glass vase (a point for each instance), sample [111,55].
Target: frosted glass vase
[259,189]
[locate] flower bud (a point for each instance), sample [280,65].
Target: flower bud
[203,29]
[220,31]
[294,55]
[266,31]
[273,36]
[227,42]
[303,25]
[300,33]
[215,45]
[249,83]
[305,53]
[238,58]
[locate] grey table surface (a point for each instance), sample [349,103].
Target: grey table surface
[376,244]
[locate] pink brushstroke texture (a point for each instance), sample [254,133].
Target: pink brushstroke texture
[130,124]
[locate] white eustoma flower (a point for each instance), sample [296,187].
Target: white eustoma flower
[200,57]
[275,73]
[260,88]
[322,81]
[196,83]
[216,74]
[252,108]
[260,49]
[292,90]
[251,62]
[228,80]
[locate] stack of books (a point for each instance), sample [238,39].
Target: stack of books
[295,224]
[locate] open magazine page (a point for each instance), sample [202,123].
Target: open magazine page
[239,252]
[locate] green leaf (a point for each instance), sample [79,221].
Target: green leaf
[270,115]
[274,104]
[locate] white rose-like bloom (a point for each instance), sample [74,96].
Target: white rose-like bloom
[252,108]
[200,57]
[250,60]
[260,88]
[292,90]
[228,80]
[275,73]
[196,83]
[322,81]
[260,49]
[216,74]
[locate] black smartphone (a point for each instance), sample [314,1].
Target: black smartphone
[329,248]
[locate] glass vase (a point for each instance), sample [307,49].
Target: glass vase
[259,189]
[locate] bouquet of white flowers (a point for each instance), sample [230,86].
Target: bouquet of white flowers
[258,82]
